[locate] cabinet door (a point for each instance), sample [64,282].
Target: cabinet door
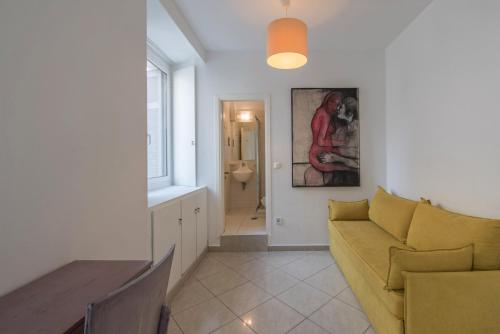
[201,222]
[188,205]
[166,230]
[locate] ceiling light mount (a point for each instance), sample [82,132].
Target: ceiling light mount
[285,4]
[287,42]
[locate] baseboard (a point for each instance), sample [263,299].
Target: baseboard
[171,294]
[214,249]
[298,248]
[279,248]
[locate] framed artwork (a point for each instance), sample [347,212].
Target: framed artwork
[325,137]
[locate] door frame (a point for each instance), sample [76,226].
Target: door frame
[219,171]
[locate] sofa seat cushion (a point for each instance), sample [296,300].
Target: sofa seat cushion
[435,228]
[367,246]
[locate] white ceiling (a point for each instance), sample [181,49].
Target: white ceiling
[163,31]
[333,24]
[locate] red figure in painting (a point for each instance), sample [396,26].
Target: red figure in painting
[323,128]
[334,151]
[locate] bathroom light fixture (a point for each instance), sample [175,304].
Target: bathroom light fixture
[245,116]
[286,42]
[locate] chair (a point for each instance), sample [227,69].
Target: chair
[137,307]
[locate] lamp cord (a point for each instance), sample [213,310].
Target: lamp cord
[285,4]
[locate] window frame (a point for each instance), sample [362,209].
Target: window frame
[156,58]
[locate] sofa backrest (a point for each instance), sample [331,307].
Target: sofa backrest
[392,213]
[434,228]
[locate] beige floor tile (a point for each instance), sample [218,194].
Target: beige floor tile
[227,275]
[208,267]
[272,317]
[339,318]
[211,256]
[249,225]
[234,327]
[240,211]
[347,296]
[242,299]
[275,282]
[239,221]
[259,255]
[304,298]
[190,295]
[298,254]
[204,318]
[190,280]
[231,227]
[254,268]
[234,259]
[304,268]
[328,280]
[323,258]
[279,259]
[307,327]
[173,328]
[223,281]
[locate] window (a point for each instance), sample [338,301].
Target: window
[157,125]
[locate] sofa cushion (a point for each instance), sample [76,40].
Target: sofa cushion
[392,213]
[435,228]
[367,247]
[459,259]
[357,210]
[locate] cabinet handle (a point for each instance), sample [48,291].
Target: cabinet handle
[180,221]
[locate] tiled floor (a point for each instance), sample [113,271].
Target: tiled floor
[267,293]
[239,221]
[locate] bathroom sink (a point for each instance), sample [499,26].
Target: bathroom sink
[243,174]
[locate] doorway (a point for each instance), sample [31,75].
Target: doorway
[244,166]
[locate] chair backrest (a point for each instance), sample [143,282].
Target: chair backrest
[137,307]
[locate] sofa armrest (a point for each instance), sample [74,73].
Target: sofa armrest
[452,302]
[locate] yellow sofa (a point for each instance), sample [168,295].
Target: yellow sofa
[465,302]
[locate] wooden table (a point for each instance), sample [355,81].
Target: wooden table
[56,302]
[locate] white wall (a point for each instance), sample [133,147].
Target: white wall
[72,134]
[304,210]
[184,131]
[443,112]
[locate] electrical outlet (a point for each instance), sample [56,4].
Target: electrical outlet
[278,221]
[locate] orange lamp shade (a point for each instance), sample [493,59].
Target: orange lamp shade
[287,43]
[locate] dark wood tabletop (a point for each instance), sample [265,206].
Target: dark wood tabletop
[55,303]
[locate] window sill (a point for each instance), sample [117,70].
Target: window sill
[161,196]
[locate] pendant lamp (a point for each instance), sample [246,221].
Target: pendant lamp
[287,42]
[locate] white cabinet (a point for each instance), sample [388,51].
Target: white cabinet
[201,223]
[181,221]
[188,210]
[166,231]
